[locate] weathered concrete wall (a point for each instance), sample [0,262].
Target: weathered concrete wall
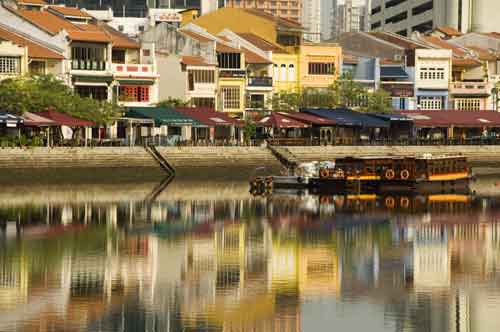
[136,157]
[219,157]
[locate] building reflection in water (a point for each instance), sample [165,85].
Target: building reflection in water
[282,263]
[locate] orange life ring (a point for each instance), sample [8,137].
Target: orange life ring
[404,202]
[324,173]
[404,174]
[390,202]
[389,174]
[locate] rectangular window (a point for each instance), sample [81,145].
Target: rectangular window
[376,25]
[468,104]
[376,10]
[321,68]
[37,67]
[430,103]
[422,8]
[94,92]
[229,60]
[203,102]
[393,3]
[10,65]
[134,93]
[202,76]
[432,73]
[231,97]
[118,56]
[88,56]
[397,18]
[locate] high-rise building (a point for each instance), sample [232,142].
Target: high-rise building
[128,8]
[351,16]
[289,9]
[311,19]
[406,16]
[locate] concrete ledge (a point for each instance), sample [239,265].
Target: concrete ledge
[192,157]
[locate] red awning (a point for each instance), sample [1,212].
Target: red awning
[62,119]
[456,118]
[278,120]
[309,118]
[209,117]
[35,120]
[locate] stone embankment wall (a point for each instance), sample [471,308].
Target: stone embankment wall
[184,157]
[135,157]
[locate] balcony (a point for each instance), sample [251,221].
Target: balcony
[263,82]
[470,89]
[91,65]
[133,70]
[232,73]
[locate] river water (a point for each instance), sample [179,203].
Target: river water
[205,255]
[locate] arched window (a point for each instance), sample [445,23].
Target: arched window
[291,73]
[283,73]
[276,72]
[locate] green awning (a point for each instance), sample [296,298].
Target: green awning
[93,79]
[136,82]
[162,116]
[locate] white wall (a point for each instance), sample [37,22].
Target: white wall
[432,59]
[172,82]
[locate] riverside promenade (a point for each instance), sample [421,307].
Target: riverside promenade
[219,157]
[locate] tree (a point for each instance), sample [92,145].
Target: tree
[285,101]
[346,92]
[173,103]
[379,101]
[249,130]
[39,93]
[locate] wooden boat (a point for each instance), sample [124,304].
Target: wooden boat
[432,174]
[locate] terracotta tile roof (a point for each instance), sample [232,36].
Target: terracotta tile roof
[46,21]
[483,54]
[446,118]
[32,2]
[350,59]
[254,58]
[196,36]
[280,22]
[120,40]
[54,24]
[397,40]
[260,43]
[226,49]
[438,42]
[449,31]
[70,11]
[465,62]
[34,50]
[194,61]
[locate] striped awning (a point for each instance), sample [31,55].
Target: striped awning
[10,120]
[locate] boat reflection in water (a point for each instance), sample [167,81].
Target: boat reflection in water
[242,263]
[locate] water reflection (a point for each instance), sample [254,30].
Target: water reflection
[214,258]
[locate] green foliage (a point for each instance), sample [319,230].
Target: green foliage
[173,102]
[249,130]
[344,92]
[39,93]
[379,101]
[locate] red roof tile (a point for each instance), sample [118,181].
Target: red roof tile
[279,120]
[63,119]
[226,48]
[32,2]
[446,118]
[309,118]
[254,58]
[34,50]
[196,36]
[120,40]
[70,11]
[260,43]
[194,61]
[449,31]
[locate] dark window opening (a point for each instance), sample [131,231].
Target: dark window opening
[393,3]
[376,10]
[288,40]
[320,68]
[118,56]
[229,60]
[397,18]
[423,27]
[94,92]
[422,8]
[376,25]
[403,33]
